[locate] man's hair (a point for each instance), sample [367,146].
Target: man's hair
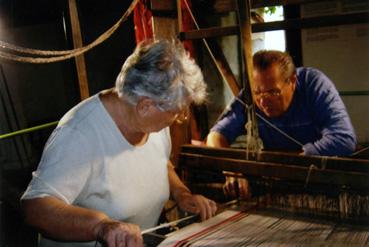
[163,71]
[264,59]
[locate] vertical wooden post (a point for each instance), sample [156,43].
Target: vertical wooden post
[244,12]
[166,27]
[77,42]
[244,8]
[179,16]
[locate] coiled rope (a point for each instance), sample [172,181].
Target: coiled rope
[56,56]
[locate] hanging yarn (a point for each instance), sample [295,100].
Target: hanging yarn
[56,56]
[254,144]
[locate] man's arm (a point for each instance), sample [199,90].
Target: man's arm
[332,119]
[230,125]
[196,204]
[217,140]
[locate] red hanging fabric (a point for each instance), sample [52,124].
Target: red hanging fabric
[142,18]
[187,26]
[144,31]
[143,23]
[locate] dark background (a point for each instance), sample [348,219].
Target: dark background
[34,94]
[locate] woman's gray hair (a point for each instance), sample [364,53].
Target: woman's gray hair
[163,71]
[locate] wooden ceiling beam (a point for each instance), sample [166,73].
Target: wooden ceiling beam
[223,6]
[209,32]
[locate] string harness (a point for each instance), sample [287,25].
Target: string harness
[253,141]
[254,144]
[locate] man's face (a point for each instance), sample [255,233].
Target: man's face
[272,92]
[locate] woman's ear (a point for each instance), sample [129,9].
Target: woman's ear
[145,107]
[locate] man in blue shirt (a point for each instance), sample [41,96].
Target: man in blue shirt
[297,110]
[302,103]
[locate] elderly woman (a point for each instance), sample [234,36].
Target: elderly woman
[105,172]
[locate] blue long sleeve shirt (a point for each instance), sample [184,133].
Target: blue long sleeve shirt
[317,118]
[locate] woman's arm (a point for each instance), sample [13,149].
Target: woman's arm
[196,204]
[58,220]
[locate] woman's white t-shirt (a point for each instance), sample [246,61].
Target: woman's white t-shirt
[87,162]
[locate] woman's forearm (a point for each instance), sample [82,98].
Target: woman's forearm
[57,220]
[177,187]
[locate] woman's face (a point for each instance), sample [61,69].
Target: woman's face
[160,118]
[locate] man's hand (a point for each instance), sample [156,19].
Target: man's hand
[197,204]
[118,234]
[237,187]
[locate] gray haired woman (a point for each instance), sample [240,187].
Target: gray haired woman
[105,172]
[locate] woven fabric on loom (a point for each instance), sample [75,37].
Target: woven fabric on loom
[234,228]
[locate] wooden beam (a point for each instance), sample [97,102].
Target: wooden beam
[164,27]
[215,51]
[262,3]
[312,22]
[314,175]
[179,16]
[209,32]
[217,6]
[244,10]
[332,163]
[223,6]
[223,67]
[163,5]
[297,23]
[77,43]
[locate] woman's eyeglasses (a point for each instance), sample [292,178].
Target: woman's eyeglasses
[182,116]
[179,116]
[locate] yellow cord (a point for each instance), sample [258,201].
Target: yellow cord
[23,131]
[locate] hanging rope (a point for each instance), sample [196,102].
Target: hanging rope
[59,55]
[272,125]
[254,144]
[253,141]
[360,151]
[20,49]
[205,42]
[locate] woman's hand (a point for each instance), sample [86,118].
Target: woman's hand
[197,204]
[118,234]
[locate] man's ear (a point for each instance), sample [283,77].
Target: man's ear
[144,106]
[293,79]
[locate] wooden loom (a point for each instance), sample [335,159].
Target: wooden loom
[332,186]
[296,200]
[326,188]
